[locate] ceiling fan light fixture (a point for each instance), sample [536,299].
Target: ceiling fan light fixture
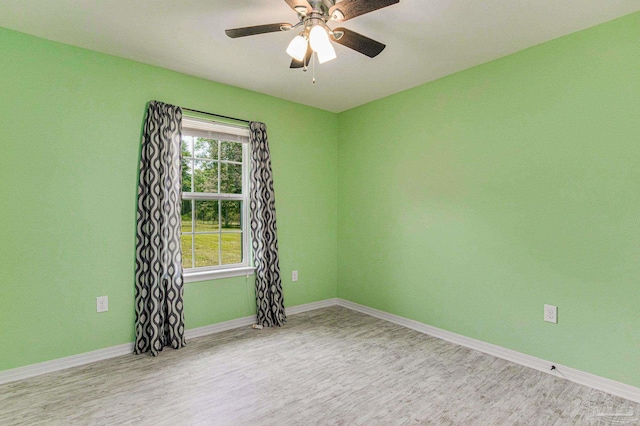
[327,54]
[316,37]
[320,43]
[297,48]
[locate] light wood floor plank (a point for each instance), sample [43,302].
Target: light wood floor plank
[329,366]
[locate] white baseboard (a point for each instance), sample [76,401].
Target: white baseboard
[247,321]
[192,333]
[64,363]
[311,306]
[101,354]
[111,352]
[587,379]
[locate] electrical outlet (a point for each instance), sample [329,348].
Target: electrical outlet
[551,313]
[102,303]
[294,276]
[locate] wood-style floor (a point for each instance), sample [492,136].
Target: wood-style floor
[329,366]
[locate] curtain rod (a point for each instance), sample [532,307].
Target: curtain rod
[217,115]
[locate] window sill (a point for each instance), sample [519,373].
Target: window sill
[190,277]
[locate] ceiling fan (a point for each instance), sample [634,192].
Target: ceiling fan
[315,35]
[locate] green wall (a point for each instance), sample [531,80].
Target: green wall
[466,203]
[469,202]
[71,122]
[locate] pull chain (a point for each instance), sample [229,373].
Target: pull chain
[313,67]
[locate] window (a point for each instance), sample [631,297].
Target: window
[215,235]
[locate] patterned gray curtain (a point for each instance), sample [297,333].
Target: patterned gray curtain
[159,292]
[263,229]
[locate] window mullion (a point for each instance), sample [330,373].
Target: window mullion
[193,207]
[211,196]
[220,232]
[193,232]
[219,205]
[219,165]
[245,226]
[193,153]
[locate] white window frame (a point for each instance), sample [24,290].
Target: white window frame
[237,269]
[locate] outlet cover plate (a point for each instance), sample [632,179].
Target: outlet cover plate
[551,313]
[294,276]
[102,303]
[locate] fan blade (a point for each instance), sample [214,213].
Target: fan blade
[300,64]
[293,4]
[358,42]
[258,29]
[348,9]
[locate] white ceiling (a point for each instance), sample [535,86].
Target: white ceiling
[425,40]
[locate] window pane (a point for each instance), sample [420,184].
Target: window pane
[207,216]
[206,148]
[187,206]
[231,215]
[205,176]
[230,178]
[187,146]
[207,249]
[231,151]
[187,174]
[187,258]
[231,248]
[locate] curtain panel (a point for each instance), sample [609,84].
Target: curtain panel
[158,272]
[269,299]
